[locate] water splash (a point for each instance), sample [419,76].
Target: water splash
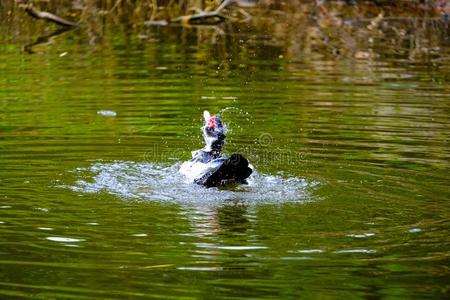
[228,108]
[233,125]
[163,183]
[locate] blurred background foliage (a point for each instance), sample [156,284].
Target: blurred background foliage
[302,28]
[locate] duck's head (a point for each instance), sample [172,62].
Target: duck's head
[213,132]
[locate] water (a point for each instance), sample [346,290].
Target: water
[150,182]
[350,198]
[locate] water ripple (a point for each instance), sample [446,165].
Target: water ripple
[163,183]
[64,239]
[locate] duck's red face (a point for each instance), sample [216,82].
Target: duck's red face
[212,123]
[213,132]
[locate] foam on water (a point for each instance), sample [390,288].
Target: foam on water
[163,183]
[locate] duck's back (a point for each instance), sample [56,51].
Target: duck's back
[234,169]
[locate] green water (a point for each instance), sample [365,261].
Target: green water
[350,199]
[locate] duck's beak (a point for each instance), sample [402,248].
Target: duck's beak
[206,116]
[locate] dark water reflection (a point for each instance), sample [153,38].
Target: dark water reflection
[91,207]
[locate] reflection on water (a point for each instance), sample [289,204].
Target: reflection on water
[45,39]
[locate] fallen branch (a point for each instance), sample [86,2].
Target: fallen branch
[202,18]
[43,15]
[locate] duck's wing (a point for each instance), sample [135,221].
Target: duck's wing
[234,168]
[201,166]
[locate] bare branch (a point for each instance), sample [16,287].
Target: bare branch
[43,15]
[202,18]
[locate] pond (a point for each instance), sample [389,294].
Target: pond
[349,198]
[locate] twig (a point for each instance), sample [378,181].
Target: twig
[213,17]
[223,5]
[43,15]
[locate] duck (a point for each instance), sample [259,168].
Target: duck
[209,167]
